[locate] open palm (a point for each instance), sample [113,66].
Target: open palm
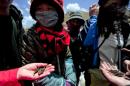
[27,72]
[112,78]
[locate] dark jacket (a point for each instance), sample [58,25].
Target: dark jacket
[64,70]
[9,51]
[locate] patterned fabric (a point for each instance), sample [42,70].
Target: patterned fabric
[52,40]
[34,51]
[58,80]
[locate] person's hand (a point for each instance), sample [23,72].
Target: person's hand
[113,79]
[93,10]
[125,50]
[27,72]
[127,63]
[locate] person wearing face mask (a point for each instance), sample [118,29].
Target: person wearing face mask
[47,41]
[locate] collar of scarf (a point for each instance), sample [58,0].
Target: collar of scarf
[52,41]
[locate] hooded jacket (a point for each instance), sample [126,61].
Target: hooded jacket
[50,46]
[58,4]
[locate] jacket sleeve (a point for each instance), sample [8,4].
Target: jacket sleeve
[9,78]
[92,20]
[70,72]
[59,80]
[86,27]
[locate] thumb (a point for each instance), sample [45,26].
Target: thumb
[127,73]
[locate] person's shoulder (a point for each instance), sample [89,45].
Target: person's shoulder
[15,13]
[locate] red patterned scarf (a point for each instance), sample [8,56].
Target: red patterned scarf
[52,41]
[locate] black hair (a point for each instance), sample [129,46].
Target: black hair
[110,13]
[103,2]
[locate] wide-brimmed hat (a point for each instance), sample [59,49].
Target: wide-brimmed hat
[75,15]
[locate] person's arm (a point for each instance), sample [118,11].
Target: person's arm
[13,77]
[125,53]
[93,12]
[9,78]
[91,36]
[113,79]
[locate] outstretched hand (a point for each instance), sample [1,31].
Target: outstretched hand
[111,77]
[27,72]
[93,10]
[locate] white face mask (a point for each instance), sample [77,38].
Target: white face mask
[47,18]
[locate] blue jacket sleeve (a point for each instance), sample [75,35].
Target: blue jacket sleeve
[92,35]
[87,26]
[91,39]
[92,20]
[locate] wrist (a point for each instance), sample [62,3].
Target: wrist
[126,61]
[19,74]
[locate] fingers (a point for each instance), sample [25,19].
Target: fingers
[29,71]
[40,64]
[127,62]
[125,49]
[49,68]
[106,73]
[94,7]
[41,69]
[127,73]
[34,66]
[107,66]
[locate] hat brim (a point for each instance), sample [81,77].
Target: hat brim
[76,17]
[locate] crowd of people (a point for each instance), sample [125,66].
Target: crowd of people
[48,54]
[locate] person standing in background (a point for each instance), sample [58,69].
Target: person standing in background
[75,23]
[89,62]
